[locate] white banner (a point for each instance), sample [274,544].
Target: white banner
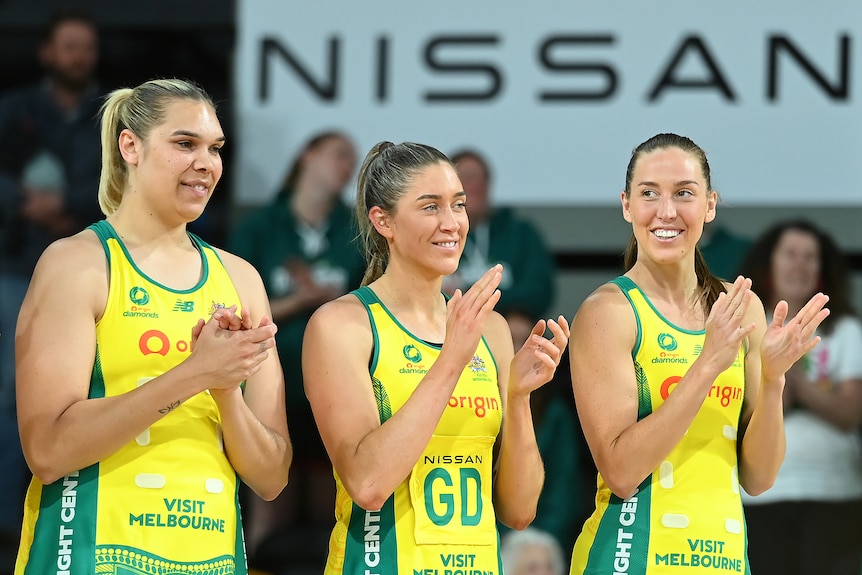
[558,92]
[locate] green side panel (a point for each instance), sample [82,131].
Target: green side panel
[372,544]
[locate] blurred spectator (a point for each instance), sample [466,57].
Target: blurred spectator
[531,552]
[497,235]
[561,506]
[303,246]
[49,179]
[813,513]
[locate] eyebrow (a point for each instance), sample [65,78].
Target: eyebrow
[677,184]
[424,197]
[191,134]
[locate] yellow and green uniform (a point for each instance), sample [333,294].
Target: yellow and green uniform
[166,502]
[440,520]
[687,516]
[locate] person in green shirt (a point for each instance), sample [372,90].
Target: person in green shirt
[302,244]
[499,235]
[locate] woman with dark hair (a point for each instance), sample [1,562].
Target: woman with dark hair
[677,380]
[814,510]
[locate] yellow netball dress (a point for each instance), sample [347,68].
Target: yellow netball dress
[440,520]
[686,517]
[166,502]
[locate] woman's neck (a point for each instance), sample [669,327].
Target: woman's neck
[673,280]
[409,290]
[673,289]
[416,301]
[136,230]
[161,252]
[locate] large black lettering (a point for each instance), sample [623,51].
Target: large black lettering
[781,44]
[605,72]
[487,69]
[325,89]
[714,81]
[382,68]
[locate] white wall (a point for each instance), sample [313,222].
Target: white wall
[559,92]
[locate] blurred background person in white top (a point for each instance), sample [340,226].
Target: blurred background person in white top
[810,521]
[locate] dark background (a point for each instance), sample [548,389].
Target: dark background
[139,40]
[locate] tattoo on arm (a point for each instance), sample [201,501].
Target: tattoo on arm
[169,408]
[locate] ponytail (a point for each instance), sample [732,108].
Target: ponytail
[114,173]
[710,286]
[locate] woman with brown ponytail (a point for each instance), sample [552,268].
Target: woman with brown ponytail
[678,382]
[421,402]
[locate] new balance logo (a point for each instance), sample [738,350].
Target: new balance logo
[185,306]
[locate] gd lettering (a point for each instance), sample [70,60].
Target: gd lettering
[447,496]
[155,341]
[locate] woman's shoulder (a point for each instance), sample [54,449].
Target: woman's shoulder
[497,334]
[234,264]
[76,252]
[605,298]
[73,270]
[343,323]
[343,311]
[605,315]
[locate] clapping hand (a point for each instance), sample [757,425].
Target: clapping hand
[466,313]
[785,343]
[230,347]
[537,360]
[726,325]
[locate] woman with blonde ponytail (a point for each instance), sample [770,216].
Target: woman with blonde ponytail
[421,402]
[147,382]
[113,177]
[678,382]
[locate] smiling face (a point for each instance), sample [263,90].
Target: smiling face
[175,170]
[795,266]
[668,203]
[429,224]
